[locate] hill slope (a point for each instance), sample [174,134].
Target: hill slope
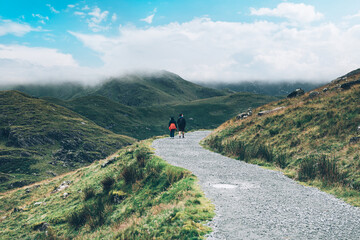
[145,122]
[133,195]
[313,137]
[39,139]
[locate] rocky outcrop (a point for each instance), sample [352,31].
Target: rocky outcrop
[298,92]
[244,114]
[313,94]
[348,85]
[262,113]
[63,185]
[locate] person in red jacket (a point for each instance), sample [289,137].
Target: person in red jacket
[172,127]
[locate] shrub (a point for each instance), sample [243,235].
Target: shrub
[215,143]
[274,132]
[235,148]
[174,174]
[141,155]
[307,170]
[78,218]
[129,173]
[320,166]
[328,170]
[281,160]
[90,213]
[264,152]
[107,183]
[89,192]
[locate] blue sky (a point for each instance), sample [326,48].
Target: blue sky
[201,40]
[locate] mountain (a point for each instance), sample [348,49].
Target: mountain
[314,138]
[132,89]
[39,139]
[152,89]
[266,88]
[146,121]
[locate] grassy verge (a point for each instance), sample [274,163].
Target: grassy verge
[135,195]
[309,139]
[317,170]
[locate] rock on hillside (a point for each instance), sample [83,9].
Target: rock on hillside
[38,137]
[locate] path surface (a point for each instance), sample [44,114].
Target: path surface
[254,203]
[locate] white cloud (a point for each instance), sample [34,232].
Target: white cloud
[79,13]
[95,22]
[71,6]
[17,29]
[22,64]
[149,18]
[45,57]
[114,17]
[86,8]
[349,17]
[295,12]
[206,50]
[41,18]
[52,9]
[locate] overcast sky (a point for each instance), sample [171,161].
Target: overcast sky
[201,40]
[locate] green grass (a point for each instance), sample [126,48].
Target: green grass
[38,138]
[163,202]
[144,122]
[308,140]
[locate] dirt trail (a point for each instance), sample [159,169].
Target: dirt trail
[255,203]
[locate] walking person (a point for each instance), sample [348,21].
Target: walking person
[181,124]
[172,127]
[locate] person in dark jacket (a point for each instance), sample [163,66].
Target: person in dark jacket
[181,124]
[172,127]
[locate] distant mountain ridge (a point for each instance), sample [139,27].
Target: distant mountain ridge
[132,89]
[267,88]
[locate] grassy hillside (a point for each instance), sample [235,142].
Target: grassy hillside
[145,122]
[313,138]
[39,139]
[134,195]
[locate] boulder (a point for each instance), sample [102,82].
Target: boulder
[314,94]
[63,185]
[41,226]
[354,140]
[348,85]
[298,92]
[108,162]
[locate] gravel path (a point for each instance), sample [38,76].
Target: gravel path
[254,203]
